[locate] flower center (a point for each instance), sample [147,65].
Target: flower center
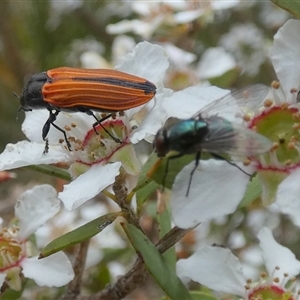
[281,125]
[270,292]
[271,287]
[101,143]
[11,250]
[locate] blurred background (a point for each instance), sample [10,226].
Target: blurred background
[224,43]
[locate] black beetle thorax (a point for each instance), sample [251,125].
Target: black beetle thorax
[32,96]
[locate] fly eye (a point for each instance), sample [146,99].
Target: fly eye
[160,144]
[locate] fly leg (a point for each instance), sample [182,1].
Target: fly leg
[99,122]
[228,161]
[167,167]
[198,155]
[46,128]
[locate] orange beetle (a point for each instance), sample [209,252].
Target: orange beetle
[84,90]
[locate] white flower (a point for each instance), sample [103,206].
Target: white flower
[218,269]
[246,36]
[215,62]
[18,254]
[281,171]
[95,163]
[154,14]
[217,187]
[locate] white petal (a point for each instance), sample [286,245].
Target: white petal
[215,62]
[188,16]
[284,53]
[2,278]
[55,270]
[148,61]
[251,260]
[275,255]
[145,29]
[83,123]
[122,44]
[220,4]
[184,104]
[179,57]
[145,8]
[94,255]
[287,197]
[216,268]
[122,26]
[110,238]
[216,190]
[88,185]
[25,153]
[33,124]
[35,207]
[91,59]
[35,120]
[153,121]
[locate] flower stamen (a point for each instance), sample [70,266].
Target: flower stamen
[275,85]
[268,103]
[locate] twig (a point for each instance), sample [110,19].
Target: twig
[74,287]
[137,274]
[121,194]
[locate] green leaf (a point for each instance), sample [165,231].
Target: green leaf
[99,278]
[148,187]
[11,295]
[79,235]
[225,80]
[156,264]
[164,225]
[158,172]
[253,191]
[202,296]
[144,194]
[123,255]
[51,171]
[292,6]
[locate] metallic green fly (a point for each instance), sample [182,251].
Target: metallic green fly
[208,132]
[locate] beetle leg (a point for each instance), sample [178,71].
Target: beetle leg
[99,122]
[46,128]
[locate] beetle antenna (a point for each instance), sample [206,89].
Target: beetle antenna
[20,108]
[16,95]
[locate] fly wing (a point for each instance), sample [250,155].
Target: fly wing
[232,139]
[242,100]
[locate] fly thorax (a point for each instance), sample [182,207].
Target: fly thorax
[201,130]
[186,136]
